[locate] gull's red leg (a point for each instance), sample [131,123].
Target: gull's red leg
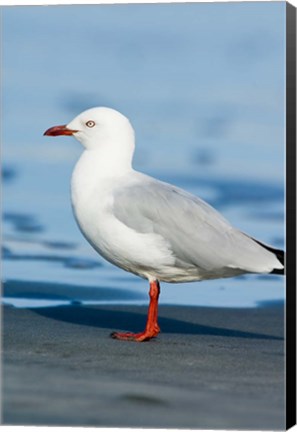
[152,328]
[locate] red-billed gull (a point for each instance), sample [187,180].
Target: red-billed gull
[147,227]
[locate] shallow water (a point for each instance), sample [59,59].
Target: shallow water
[203,85]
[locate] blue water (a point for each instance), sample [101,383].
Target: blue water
[204,87]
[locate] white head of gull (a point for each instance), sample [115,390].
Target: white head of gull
[147,227]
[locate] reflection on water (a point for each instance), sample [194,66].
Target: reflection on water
[208,115]
[23,222]
[7,173]
[76,263]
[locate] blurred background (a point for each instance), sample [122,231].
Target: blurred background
[204,87]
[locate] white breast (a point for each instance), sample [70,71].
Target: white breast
[92,202]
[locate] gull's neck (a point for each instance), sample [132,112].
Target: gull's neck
[108,161]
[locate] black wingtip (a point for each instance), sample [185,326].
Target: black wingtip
[278,271]
[280,255]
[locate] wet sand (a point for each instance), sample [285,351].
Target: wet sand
[209,368]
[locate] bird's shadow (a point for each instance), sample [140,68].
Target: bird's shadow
[134,321]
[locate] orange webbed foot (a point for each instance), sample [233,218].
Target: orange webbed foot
[136,337]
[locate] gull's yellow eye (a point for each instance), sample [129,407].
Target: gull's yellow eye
[90,123]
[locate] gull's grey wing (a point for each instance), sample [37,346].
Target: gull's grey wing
[195,232]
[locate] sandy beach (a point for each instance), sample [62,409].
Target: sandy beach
[209,368]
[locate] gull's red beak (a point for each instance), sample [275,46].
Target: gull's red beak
[59,130]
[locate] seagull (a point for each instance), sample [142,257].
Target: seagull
[148,227]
